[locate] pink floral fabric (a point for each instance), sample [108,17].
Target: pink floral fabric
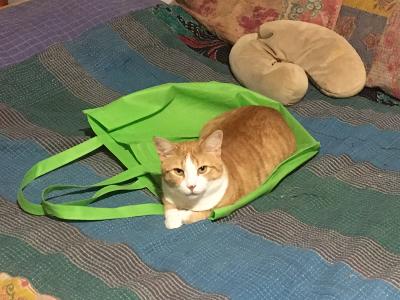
[372,27]
[230,19]
[319,12]
[259,15]
[362,29]
[385,70]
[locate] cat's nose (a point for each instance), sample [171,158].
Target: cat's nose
[191,187]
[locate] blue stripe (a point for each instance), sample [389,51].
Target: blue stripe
[110,60]
[362,143]
[212,257]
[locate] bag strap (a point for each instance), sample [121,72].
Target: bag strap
[78,210]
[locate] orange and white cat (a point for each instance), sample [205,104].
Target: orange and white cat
[234,155]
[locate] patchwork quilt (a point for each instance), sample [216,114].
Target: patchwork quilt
[330,230]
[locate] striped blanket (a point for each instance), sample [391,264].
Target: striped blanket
[330,230]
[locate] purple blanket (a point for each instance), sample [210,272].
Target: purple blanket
[31,27]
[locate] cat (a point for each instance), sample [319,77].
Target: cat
[234,155]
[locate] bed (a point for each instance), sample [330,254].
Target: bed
[330,230]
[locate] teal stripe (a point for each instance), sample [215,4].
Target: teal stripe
[32,90]
[333,204]
[110,60]
[53,273]
[164,34]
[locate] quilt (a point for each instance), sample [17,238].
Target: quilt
[330,230]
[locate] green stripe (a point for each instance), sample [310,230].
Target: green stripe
[41,98]
[161,30]
[332,204]
[53,273]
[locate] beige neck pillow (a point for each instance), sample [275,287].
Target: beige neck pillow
[276,61]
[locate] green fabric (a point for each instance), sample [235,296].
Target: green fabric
[127,126]
[67,281]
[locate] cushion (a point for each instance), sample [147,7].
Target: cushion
[256,68]
[373,29]
[277,60]
[362,26]
[384,72]
[230,19]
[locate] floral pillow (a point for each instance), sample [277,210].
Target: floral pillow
[385,69]
[372,27]
[230,19]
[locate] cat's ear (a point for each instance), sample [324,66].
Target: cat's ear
[164,147]
[213,142]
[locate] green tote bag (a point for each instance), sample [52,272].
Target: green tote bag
[126,128]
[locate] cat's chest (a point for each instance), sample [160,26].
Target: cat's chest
[207,201]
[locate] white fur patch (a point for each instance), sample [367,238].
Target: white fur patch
[174,218]
[213,195]
[206,194]
[192,178]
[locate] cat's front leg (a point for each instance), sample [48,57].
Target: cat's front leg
[174,218]
[195,216]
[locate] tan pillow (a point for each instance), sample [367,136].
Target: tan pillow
[258,70]
[277,60]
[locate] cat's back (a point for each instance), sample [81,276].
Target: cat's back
[253,127]
[255,140]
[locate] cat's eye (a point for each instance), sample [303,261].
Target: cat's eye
[179,172]
[202,169]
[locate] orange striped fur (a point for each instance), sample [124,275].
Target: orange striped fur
[235,154]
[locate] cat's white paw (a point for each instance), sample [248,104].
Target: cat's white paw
[172,223]
[175,218]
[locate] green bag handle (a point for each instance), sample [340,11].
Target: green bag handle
[78,210]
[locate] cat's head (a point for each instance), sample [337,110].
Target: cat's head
[191,167]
